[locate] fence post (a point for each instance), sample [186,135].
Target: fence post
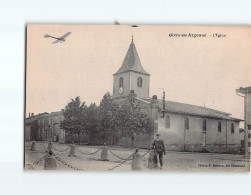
[136,161]
[152,163]
[50,162]
[72,151]
[104,153]
[33,146]
[49,146]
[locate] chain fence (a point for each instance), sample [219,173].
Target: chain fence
[40,160]
[118,156]
[60,150]
[28,146]
[65,163]
[88,153]
[121,163]
[124,160]
[145,154]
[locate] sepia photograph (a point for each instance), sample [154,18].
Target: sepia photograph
[149,98]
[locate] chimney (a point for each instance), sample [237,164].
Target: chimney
[154,101]
[132,95]
[164,103]
[29,114]
[155,97]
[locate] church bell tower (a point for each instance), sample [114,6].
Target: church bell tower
[131,76]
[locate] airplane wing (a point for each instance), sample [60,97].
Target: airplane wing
[56,41]
[64,36]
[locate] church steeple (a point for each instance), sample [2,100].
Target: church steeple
[131,61]
[131,76]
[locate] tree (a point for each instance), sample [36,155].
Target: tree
[74,118]
[106,118]
[91,124]
[131,120]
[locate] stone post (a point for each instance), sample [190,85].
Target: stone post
[104,153]
[33,146]
[72,151]
[152,163]
[50,162]
[49,146]
[136,161]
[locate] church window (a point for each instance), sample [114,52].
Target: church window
[204,125]
[121,82]
[232,128]
[219,127]
[139,82]
[186,124]
[167,122]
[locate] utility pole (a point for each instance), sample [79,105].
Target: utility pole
[184,139]
[163,102]
[226,135]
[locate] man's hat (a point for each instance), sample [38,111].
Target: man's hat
[157,134]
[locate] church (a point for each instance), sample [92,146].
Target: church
[183,127]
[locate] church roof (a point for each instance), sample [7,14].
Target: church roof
[181,108]
[132,61]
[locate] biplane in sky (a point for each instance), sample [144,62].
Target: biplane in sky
[58,39]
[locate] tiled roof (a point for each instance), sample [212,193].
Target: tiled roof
[181,108]
[132,62]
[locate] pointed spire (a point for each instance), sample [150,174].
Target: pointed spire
[132,61]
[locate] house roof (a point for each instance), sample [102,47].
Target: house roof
[244,90]
[131,62]
[181,108]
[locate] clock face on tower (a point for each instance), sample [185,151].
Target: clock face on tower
[121,90]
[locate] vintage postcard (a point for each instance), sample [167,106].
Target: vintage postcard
[137,98]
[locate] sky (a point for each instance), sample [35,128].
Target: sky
[203,71]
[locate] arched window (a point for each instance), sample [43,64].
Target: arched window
[139,82]
[167,122]
[121,82]
[186,123]
[204,125]
[219,127]
[232,128]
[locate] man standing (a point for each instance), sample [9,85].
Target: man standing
[159,149]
